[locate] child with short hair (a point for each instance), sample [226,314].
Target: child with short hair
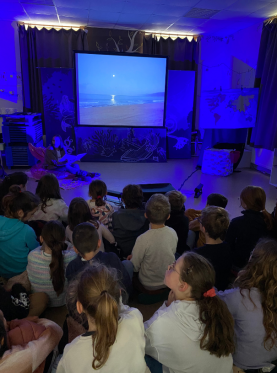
[115,337]
[178,221]
[52,205]
[47,264]
[100,209]
[87,245]
[214,222]
[155,249]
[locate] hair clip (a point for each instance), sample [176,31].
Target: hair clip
[98,197]
[189,270]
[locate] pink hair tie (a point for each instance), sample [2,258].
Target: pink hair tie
[98,197]
[210,293]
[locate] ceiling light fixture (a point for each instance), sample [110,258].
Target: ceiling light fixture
[172,36]
[49,27]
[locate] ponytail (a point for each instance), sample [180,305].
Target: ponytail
[218,335]
[268,220]
[98,190]
[53,234]
[17,200]
[99,294]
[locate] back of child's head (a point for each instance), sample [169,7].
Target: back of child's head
[157,209]
[3,336]
[16,178]
[216,221]
[99,293]
[53,235]
[176,200]
[48,187]
[16,201]
[97,191]
[132,196]
[216,199]
[218,333]
[78,212]
[85,238]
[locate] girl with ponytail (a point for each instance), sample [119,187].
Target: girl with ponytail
[193,332]
[245,231]
[47,264]
[114,341]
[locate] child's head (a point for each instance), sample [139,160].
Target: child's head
[216,199]
[157,209]
[85,239]
[98,295]
[176,200]
[3,335]
[78,212]
[261,273]
[48,187]
[16,178]
[53,235]
[132,196]
[19,205]
[97,191]
[214,222]
[193,277]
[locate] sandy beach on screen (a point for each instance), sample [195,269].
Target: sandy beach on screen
[125,115]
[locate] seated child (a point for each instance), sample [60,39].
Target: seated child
[100,209]
[193,332]
[26,344]
[78,213]
[52,206]
[48,262]
[87,245]
[252,304]
[17,239]
[115,337]
[178,221]
[214,222]
[128,223]
[16,178]
[155,249]
[213,199]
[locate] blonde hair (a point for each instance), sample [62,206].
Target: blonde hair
[99,292]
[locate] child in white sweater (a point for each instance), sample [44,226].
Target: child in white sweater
[155,249]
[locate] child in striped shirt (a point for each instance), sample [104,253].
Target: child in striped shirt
[47,264]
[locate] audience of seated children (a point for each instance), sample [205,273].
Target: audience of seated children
[252,303]
[78,213]
[17,239]
[213,199]
[27,345]
[178,221]
[193,332]
[16,178]
[115,337]
[52,206]
[100,209]
[128,223]
[87,245]
[214,222]
[47,264]
[255,223]
[155,249]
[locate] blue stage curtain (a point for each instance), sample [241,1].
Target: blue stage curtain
[264,135]
[45,48]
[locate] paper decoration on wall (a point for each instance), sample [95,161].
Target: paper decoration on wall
[229,108]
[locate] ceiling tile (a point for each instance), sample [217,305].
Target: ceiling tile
[180,29]
[132,19]
[70,12]
[229,15]
[168,10]
[109,17]
[266,12]
[11,7]
[101,24]
[160,19]
[83,4]
[39,9]
[76,21]
[44,18]
[108,6]
[139,8]
[190,21]
[248,6]
[215,4]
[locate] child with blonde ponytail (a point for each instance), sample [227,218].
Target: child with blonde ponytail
[193,332]
[114,341]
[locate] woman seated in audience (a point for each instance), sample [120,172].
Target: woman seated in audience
[17,239]
[47,264]
[100,209]
[16,178]
[253,305]
[245,231]
[27,345]
[193,332]
[78,213]
[214,222]
[52,206]
[114,341]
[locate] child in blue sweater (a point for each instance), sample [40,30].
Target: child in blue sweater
[17,239]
